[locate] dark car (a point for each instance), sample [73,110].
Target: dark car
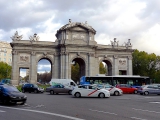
[31,88]
[59,88]
[10,94]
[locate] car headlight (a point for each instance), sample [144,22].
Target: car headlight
[38,89]
[25,96]
[12,96]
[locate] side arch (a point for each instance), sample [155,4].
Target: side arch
[109,63]
[49,58]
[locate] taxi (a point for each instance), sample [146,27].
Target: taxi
[113,90]
[90,91]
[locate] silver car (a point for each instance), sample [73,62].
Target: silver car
[59,88]
[149,89]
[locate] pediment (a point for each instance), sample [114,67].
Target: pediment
[77,25]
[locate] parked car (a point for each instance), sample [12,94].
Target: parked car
[59,88]
[113,90]
[10,94]
[127,88]
[149,89]
[32,88]
[90,91]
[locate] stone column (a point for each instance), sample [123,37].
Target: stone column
[129,66]
[15,69]
[56,68]
[62,65]
[33,68]
[115,70]
[91,64]
[66,66]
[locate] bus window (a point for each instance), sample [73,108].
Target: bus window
[130,82]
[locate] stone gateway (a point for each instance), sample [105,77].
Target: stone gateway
[75,43]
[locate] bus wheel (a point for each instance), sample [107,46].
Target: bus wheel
[146,93]
[135,92]
[77,95]
[116,93]
[101,95]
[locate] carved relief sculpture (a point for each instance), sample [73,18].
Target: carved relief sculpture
[122,64]
[24,58]
[16,37]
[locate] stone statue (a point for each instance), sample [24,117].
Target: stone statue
[34,37]
[128,44]
[114,43]
[16,37]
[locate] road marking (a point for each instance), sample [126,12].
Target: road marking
[146,110]
[149,97]
[155,102]
[2,111]
[137,118]
[48,113]
[103,112]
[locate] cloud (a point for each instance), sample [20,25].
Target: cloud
[137,20]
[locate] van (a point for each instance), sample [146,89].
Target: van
[66,82]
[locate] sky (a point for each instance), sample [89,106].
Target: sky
[138,20]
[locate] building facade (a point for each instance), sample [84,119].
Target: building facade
[75,43]
[5,52]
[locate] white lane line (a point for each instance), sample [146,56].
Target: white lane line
[48,113]
[149,97]
[146,110]
[155,102]
[2,111]
[103,112]
[137,118]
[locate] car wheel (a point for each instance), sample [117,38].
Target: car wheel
[69,92]
[51,92]
[135,92]
[101,95]
[146,93]
[23,91]
[35,91]
[116,93]
[77,95]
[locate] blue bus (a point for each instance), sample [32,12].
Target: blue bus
[133,80]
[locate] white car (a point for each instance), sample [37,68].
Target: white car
[90,91]
[113,90]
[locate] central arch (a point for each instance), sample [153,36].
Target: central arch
[81,67]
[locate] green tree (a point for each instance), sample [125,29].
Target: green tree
[75,72]
[5,70]
[102,69]
[145,64]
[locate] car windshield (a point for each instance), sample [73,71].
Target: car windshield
[10,89]
[36,86]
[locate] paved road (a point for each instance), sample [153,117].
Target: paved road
[65,107]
